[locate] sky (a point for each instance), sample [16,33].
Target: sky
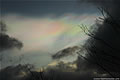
[45,27]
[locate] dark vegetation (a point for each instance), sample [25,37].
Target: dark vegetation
[103,45]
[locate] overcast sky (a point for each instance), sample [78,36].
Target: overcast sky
[46,27]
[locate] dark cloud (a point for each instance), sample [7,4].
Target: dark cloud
[34,75]
[85,69]
[2,27]
[26,72]
[85,72]
[44,8]
[66,52]
[18,72]
[7,42]
[112,6]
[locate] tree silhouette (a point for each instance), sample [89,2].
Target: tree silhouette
[101,51]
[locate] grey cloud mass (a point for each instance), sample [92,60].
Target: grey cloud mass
[7,42]
[66,52]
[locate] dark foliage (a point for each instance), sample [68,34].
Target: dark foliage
[103,46]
